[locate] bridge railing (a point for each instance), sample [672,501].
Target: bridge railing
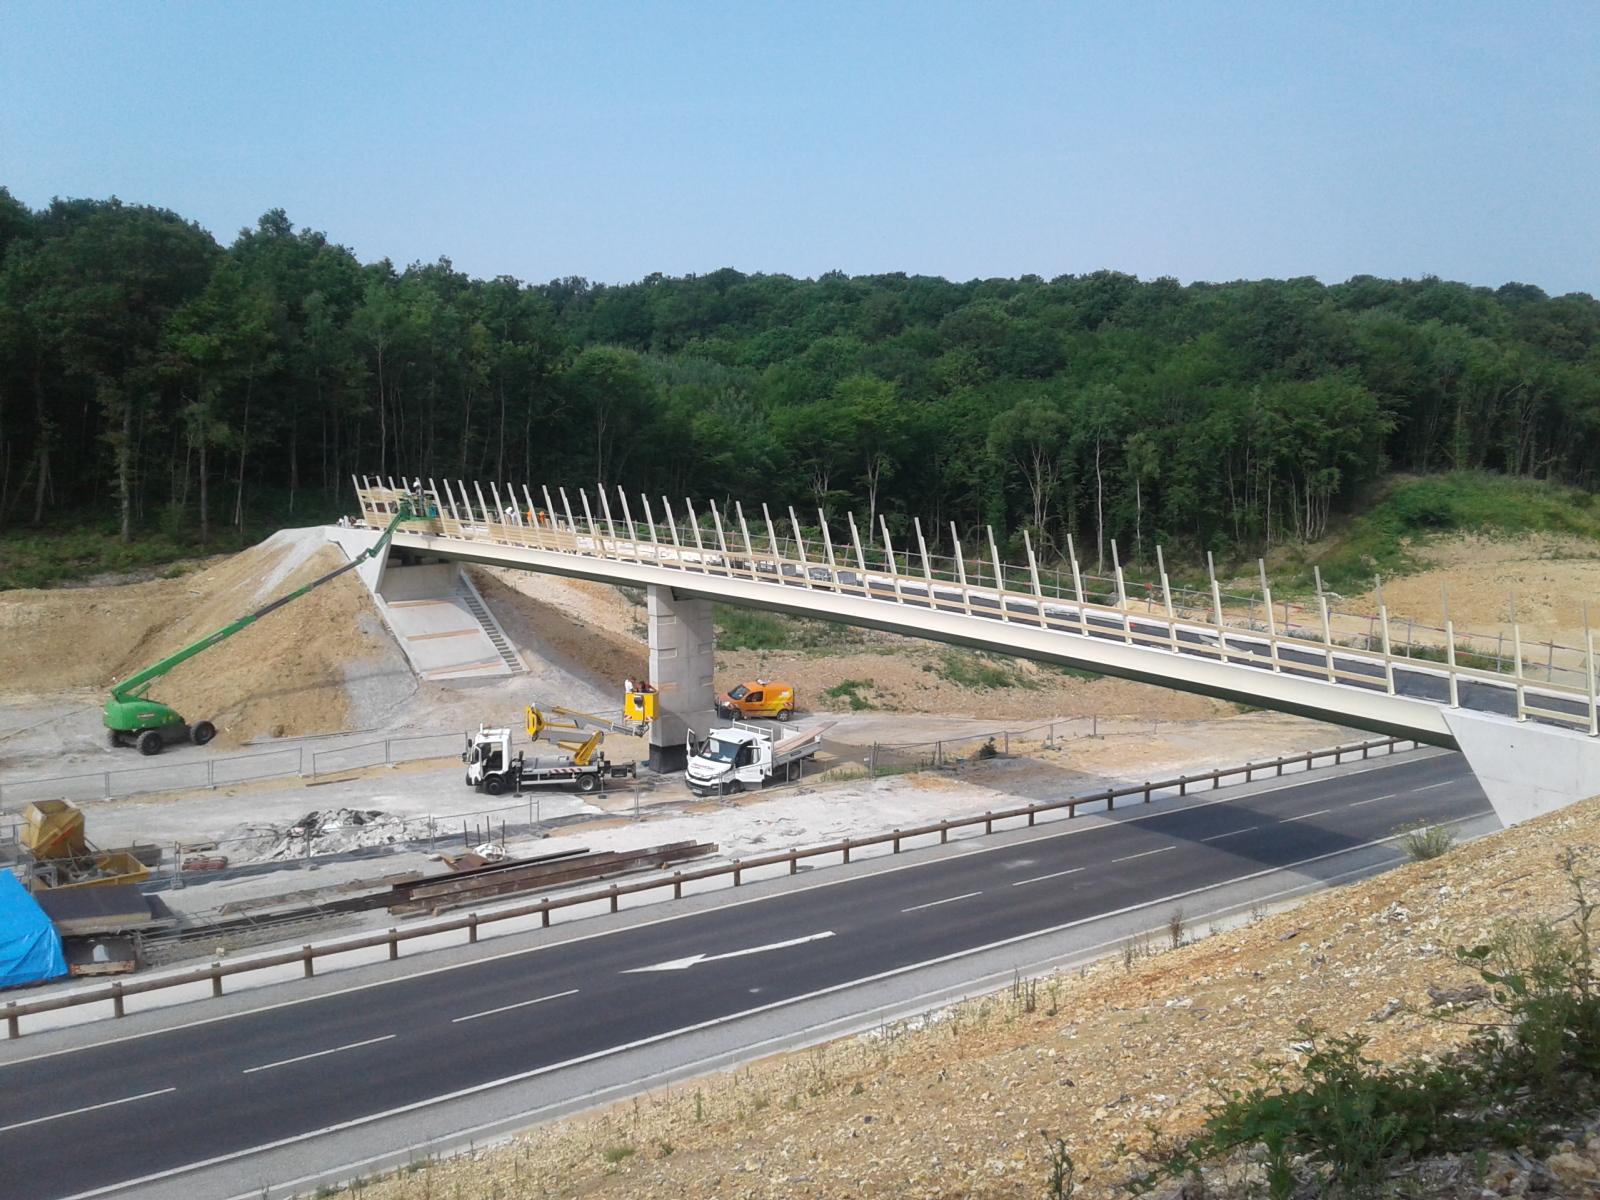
[775,549]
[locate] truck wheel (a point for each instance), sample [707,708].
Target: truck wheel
[202,732]
[494,785]
[149,742]
[785,714]
[588,783]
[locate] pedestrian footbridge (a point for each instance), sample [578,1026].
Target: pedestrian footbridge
[1530,728]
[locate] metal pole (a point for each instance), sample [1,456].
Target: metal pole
[1272,622]
[1122,593]
[1216,607]
[888,550]
[1033,574]
[1450,661]
[1077,586]
[827,548]
[961,569]
[1327,632]
[861,558]
[999,576]
[1516,641]
[1388,663]
[744,529]
[800,547]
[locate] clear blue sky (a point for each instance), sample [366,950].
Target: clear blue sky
[609,140]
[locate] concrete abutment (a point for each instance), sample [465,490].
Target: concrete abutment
[1526,768]
[682,666]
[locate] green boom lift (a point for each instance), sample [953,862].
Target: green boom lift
[135,720]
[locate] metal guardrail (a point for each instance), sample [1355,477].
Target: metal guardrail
[117,993]
[221,771]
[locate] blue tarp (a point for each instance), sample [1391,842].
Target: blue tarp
[30,951]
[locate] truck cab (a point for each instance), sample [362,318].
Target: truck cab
[758,698]
[730,760]
[487,754]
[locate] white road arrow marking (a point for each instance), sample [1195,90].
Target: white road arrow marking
[683,964]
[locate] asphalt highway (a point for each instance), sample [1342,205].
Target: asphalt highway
[83,1121]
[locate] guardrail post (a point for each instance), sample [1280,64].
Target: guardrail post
[394,944]
[1280,766]
[613,897]
[846,849]
[1364,748]
[13,1027]
[897,841]
[1111,799]
[1032,812]
[794,863]
[116,999]
[988,822]
[216,980]
[677,885]
[944,832]
[1249,771]
[309,960]
[738,871]
[1183,785]
[1147,791]
[544,913]
[1338,755]
[472,928]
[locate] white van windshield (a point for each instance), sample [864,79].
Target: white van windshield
[720,751]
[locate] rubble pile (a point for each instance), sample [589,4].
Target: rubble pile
[330,831]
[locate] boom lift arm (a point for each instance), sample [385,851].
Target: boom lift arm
[131,717]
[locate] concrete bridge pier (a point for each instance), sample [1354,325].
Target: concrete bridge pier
[1526,768]
[682,662]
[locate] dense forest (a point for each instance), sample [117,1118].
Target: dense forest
[151,375]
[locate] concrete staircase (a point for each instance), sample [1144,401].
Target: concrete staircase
[473,603]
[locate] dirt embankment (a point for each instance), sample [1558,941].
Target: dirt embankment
[1550,578]
[283,676]
[961,1105]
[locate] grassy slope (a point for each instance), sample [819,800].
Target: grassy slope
[1409,510]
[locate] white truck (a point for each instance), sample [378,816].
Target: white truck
[738,756]
[494,769]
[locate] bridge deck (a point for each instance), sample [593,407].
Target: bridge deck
[984,602]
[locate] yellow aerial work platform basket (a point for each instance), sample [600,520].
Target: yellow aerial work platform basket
[639,706]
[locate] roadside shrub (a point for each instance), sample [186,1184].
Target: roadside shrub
[1338,1122]
[1423,841]
[850,691]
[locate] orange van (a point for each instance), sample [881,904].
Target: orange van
[760,698]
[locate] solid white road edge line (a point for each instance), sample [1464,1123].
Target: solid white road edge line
[1304,779]
[72,1112]
[489,1085]
[1143,854]
[1217,837]
[946,900]
[1052,875]
[489,1012]
[847,1026]
[1321,812]
[284,1062]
